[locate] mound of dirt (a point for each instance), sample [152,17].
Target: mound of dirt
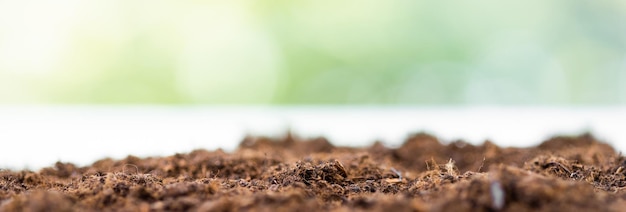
[290,174]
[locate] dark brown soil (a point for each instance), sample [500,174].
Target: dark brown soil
[292,174]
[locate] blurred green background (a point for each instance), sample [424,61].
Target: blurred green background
[562,52]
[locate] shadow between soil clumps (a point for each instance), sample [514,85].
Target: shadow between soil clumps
[291,174]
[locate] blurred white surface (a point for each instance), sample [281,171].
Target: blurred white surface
[34,137]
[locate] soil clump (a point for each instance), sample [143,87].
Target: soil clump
[565,173]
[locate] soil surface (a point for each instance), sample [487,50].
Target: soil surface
[294,174]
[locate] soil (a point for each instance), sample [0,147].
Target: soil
[295,174]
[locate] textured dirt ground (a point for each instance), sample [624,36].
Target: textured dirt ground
[289,174]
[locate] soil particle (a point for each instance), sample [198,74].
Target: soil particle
[293,174]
